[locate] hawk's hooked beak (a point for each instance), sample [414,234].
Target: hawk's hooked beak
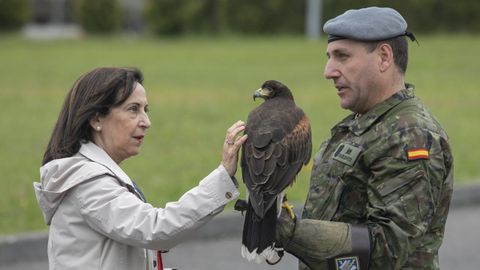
[262,93]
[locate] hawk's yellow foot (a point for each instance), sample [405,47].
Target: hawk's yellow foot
[289,209]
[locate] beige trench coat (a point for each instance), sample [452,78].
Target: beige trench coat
[98,221]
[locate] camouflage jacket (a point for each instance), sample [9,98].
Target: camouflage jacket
[391,169]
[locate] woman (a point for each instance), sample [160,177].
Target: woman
[98,217]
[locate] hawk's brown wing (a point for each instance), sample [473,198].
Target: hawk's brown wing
[278,145]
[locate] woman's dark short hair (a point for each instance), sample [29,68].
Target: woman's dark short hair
[97,91]
[400,50]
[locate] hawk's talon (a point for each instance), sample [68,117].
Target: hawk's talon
[289,209]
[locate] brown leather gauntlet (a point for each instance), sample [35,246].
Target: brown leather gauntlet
[314,241]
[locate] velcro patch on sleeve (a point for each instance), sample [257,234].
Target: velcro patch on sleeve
[347,263]
[418,153]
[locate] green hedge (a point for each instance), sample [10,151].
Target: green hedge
[13,14]
[175,17]
[422,16]
[266,16]
[98,16]
[171,17]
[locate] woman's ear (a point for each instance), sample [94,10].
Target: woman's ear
[386,57]
[96,122]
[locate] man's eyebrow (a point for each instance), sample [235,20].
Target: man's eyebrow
[337,51]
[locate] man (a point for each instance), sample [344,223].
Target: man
[381,185]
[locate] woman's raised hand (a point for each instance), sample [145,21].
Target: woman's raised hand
[231,146]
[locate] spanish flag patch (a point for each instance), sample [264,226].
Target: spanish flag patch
[418,153]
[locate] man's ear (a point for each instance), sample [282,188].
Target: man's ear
[96,122]
[385,52]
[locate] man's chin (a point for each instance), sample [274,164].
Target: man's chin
[344,104]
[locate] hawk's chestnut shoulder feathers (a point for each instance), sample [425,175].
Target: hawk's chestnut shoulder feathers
[278,145]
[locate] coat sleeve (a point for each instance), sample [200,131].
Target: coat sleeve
[406,195]
[113,211]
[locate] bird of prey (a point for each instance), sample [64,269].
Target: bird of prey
[279,144]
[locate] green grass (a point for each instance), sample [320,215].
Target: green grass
[196,88]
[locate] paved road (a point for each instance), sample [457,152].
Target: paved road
[459,251]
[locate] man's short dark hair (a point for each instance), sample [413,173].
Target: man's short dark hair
[400,50]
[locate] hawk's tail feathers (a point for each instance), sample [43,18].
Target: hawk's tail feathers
[258,241]
[270,254]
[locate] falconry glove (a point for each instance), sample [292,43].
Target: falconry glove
[314,241]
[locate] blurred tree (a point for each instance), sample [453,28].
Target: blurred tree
[212,11]
[98,16]
[14,14]
[207,19]
[175,17]
[422,16]
[166,16]
[460,15]
[267,16]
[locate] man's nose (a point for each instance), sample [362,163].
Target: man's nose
[331,71]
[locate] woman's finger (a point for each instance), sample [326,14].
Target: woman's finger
[236,124]
[233,132]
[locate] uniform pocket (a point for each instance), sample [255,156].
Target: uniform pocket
[397,186]
[408,198]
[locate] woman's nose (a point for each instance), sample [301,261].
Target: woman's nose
[145,121]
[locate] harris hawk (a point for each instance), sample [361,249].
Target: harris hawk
[279,144]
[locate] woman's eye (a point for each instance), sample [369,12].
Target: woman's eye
[133,109]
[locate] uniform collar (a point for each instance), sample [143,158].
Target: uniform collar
[358,125]
[98,155]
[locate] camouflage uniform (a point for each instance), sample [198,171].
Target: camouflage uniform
[369,173]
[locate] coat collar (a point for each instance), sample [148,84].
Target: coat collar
[358,125]
[97,154]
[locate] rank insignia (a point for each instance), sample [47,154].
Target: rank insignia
[347,153]
[347,263]
[417,153]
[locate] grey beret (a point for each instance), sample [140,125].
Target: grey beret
[367,24]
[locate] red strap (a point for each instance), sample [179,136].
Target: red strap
[159,261]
